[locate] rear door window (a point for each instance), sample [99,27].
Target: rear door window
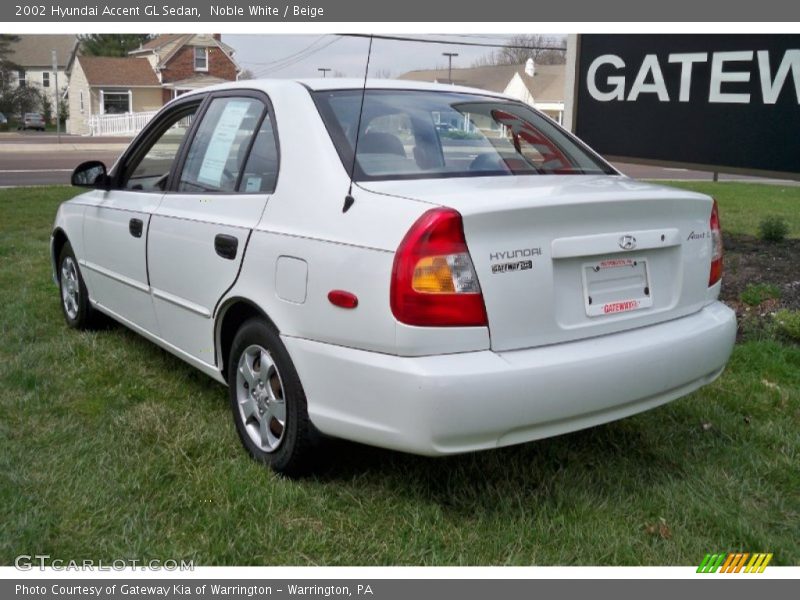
[218,153]
[261,169]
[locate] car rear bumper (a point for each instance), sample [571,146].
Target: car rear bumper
[447,404]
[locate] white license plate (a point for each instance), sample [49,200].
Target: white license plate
[616,285]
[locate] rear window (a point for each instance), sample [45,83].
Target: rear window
[409,134]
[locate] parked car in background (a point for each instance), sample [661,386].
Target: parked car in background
[33,121]
[458,295]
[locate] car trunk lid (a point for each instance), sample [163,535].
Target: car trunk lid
[562,258]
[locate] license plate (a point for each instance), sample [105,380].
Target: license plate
[616,285]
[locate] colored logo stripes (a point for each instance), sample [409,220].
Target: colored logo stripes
[734,562]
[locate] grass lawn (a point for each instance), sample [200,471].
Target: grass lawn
[743,205]
[111,448]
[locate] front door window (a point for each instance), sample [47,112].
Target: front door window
[149,170]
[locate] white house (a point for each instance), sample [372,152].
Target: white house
[118,95]
[104,85]
[541,86]
[34,56]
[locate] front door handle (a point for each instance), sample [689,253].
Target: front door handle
[135,227]
[226,246]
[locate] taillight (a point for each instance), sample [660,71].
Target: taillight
[433,280]
[716,247]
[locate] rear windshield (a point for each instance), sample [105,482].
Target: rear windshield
[421,134]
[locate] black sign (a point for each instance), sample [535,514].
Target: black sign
[731,102]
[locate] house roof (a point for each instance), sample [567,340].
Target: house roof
[166,45]
[546,85]
[36,50]
[127,71]
[158,42]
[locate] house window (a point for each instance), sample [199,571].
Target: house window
[21,78]
[200,59]
[81,98]
[115,102]
[45,79]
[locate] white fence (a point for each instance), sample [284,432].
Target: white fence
[119,124]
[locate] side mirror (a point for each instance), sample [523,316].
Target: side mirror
[91,174]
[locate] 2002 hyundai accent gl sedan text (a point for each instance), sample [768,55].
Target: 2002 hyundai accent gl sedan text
[488,281]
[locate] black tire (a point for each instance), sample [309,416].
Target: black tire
[78,313]
[290,455]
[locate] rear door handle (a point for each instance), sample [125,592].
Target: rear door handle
[226,246]
[135,227]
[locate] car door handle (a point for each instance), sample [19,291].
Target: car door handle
[226,246]
[135,226]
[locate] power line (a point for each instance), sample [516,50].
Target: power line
[293,54]
[398,38]
[294,59]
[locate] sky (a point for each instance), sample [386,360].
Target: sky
[288,56]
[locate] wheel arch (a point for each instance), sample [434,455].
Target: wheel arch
[60,239]
[230,317]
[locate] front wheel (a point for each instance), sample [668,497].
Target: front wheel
[78,312]
[267,400]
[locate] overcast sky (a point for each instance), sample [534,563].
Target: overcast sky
[287,56]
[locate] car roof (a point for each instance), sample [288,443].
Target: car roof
[347,83]
[334,83]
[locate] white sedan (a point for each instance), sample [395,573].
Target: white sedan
[476,278]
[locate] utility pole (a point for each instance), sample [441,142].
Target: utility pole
[324,71]
[450,56]
[58,111]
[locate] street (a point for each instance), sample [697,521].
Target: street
[35,158]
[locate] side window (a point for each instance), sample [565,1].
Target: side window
[218,151]
[148,172]
[261,170]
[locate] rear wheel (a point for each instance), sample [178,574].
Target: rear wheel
[267,400]
[78,312]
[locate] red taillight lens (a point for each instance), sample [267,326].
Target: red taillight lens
[716,247]
[433,280]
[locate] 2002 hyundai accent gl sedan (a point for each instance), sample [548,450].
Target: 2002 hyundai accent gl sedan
[488,280]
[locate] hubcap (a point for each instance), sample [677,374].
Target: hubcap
[70,289]
[260,397]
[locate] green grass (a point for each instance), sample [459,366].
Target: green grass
[756,293]
[787,323]
[111,448]
[743,205]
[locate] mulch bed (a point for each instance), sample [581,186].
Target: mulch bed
[749,260]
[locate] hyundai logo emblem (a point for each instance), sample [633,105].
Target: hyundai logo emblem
[627,242]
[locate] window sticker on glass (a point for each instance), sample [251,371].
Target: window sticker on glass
[253,184]
[219,147]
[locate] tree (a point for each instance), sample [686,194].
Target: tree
[24,99]
[543,49]
[6,63]
[383,74]
[111,44]
[7,68]
[63,107]
[245,74]
[47,107]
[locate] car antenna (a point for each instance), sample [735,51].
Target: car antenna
[348,199]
